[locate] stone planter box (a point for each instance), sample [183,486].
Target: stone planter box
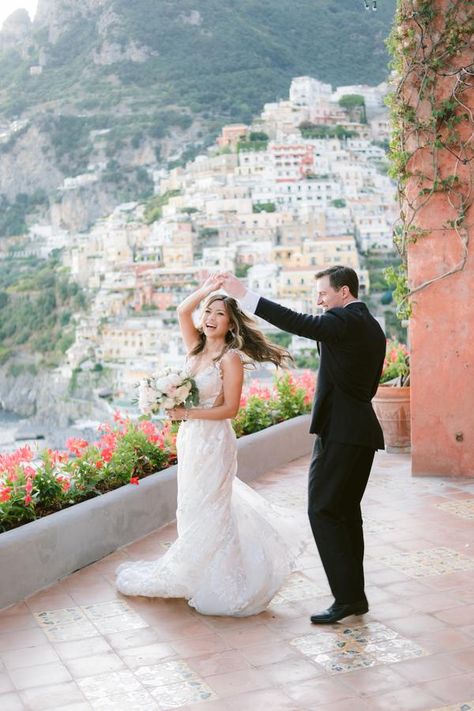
[38,554]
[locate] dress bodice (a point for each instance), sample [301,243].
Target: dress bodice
[208,380]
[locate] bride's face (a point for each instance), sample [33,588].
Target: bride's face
[215,321]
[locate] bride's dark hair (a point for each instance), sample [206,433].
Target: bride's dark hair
[244,336]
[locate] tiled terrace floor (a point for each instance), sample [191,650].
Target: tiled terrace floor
[79,645]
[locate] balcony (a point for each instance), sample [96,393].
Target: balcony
[81,645]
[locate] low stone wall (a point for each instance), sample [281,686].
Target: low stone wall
[38,554]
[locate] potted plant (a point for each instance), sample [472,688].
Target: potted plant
[392,399]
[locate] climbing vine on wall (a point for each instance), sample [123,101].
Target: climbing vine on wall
[432,144]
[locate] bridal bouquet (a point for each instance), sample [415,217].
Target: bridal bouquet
[166,389]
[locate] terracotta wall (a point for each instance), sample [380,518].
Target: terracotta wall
[442,325]
[442,371]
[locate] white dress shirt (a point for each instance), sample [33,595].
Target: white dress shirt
[249,301]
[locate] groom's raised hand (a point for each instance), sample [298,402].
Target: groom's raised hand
[232,285]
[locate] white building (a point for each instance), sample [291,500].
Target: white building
[373,95]
[307,91]
[262,278]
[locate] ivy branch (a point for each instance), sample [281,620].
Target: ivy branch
[429,46]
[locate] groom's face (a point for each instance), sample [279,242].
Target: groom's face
[328,297]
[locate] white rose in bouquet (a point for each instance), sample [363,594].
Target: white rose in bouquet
[166,390]
[146,397]
[175,379]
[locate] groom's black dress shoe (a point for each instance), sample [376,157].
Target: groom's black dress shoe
[338,611]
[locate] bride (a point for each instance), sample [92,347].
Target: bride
[234,549]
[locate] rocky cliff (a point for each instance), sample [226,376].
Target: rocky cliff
[49,401]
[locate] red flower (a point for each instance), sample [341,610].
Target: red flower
[29,486]
[134,480]
[104,428]
[24,454]
[76,445]
[259,391]
[307,382]
[9,462]
[151,432]
[107,441]
[99,464]
[64,482]
[28,500]
[107,454]
[5,494]
[56,457]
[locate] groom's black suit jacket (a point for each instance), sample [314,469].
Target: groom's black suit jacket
[352,350]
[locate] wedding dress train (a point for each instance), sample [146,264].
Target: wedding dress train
[234,549]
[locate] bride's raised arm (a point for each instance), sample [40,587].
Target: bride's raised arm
[185,310]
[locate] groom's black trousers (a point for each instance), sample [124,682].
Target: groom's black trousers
[338,475]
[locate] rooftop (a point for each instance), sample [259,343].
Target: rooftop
[80,645]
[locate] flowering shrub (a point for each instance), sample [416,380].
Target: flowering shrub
[261,407]
[124,453]
[396,365]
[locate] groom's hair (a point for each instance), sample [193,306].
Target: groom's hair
[341,276]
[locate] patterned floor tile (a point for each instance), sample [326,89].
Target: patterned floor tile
[52,618]
[462,508]
[418,486]
[166,673]
[373,526]
[79,623]
[115,616]
[352,648]
[297,587]
[120,623]
[464,706]
[109,684]
[190,692]
[133,701]
[106,609]
[65,625]
[428,562]
[174,684]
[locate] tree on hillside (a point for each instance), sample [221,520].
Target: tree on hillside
[355,105]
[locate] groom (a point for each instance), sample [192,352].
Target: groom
[351,344]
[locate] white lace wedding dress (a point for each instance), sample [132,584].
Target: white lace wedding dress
[234,550]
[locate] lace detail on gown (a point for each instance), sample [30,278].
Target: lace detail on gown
[234,549]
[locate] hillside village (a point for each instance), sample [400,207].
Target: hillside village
[303,187]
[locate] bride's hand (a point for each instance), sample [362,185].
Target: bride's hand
[212,283]
[177,413]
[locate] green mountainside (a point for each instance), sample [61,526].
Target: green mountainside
[133,83]
[226,57]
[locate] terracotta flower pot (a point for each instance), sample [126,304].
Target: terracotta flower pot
[392,407]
